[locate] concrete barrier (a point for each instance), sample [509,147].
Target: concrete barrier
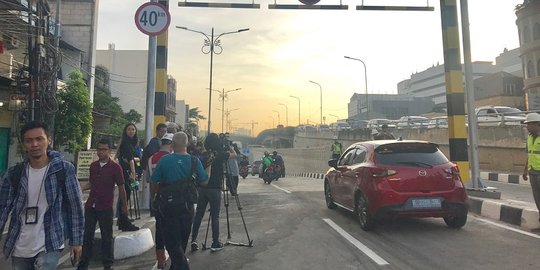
[130,244]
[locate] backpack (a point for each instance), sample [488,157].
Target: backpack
[180,192]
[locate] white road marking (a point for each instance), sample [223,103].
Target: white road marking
[507,227]
[370,253]
[280,188]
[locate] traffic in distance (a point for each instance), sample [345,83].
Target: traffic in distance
[486,116]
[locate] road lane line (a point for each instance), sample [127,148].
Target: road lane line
[280,188]
[370,253]
[507,227]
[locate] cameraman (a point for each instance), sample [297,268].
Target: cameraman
[218,153]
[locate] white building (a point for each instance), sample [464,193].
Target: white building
[431,82]
[128,70]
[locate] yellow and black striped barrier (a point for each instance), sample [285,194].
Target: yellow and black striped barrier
[455,95]
[160,103]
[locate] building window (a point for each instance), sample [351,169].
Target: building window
[526,35]
[530,69]
[536,31]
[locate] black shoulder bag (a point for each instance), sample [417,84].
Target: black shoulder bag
[179,192]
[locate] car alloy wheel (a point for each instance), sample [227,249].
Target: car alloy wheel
[366,220]
[328,196]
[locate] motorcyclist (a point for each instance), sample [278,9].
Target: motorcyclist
[267,161]
[278,160]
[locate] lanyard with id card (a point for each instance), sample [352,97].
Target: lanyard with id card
[31,212]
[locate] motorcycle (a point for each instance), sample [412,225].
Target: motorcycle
[244,171]
[268,175]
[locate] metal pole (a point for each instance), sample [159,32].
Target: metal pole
[297,98]
[222,109]
[286,113]
[469,92]
[367,95]
[320,89]
[150,87]
[210,89]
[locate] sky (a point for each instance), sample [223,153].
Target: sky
[285,49]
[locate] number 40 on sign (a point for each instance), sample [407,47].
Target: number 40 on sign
[152,18]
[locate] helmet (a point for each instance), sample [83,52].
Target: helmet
[335,137]
[266,153]
[274,153]
[532,117]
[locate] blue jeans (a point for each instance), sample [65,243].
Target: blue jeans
[212,196]
[42,261]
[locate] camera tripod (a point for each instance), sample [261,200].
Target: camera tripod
[229,187]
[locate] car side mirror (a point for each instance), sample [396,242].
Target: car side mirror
[333,163]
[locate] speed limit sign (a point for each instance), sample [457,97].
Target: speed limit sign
[152,18]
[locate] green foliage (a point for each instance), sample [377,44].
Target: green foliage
[73,121]
[133,116]
[194,116]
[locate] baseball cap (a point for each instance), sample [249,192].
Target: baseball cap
[168,137]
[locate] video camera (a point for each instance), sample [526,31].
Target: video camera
[225,142]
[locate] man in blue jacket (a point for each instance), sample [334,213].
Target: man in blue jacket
[44,199]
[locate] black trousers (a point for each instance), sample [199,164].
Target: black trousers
[176,224]
[105,219]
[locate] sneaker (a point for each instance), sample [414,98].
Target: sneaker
[194,246]
[216,247]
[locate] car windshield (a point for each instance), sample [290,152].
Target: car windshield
[410,154]
[511,111]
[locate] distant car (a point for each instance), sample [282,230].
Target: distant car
[377,123]
[255,167]
[438,122]
[387,178]
[338,126]
[412,122]
[499,116]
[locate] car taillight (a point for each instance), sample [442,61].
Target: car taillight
[454,170]
[378,172]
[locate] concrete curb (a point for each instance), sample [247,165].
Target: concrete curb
[309,175]
[503,177]
[506,212]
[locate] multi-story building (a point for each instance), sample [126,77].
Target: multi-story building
[387,106]
[431,82]
[528,23]
[501,88]
[128,70]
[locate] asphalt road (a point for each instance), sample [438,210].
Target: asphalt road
[291,228]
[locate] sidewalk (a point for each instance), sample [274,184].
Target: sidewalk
[516,205]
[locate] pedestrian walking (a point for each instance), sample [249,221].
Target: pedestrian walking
[532,166]
[234,172]
[211,193]
[43,197]
[336,149]
[126,156]
[172,180]
[104,175]
[166,148]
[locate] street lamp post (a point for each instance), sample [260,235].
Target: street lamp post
[278,117]
[273,122]
[286,114]
[320,88]
[212,43]
[337,117]
[223,96]
[297,98]
[365,76]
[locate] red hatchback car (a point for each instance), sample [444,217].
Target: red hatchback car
[390,178]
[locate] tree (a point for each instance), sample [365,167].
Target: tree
[194,116]
[133,116]
[73,120]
